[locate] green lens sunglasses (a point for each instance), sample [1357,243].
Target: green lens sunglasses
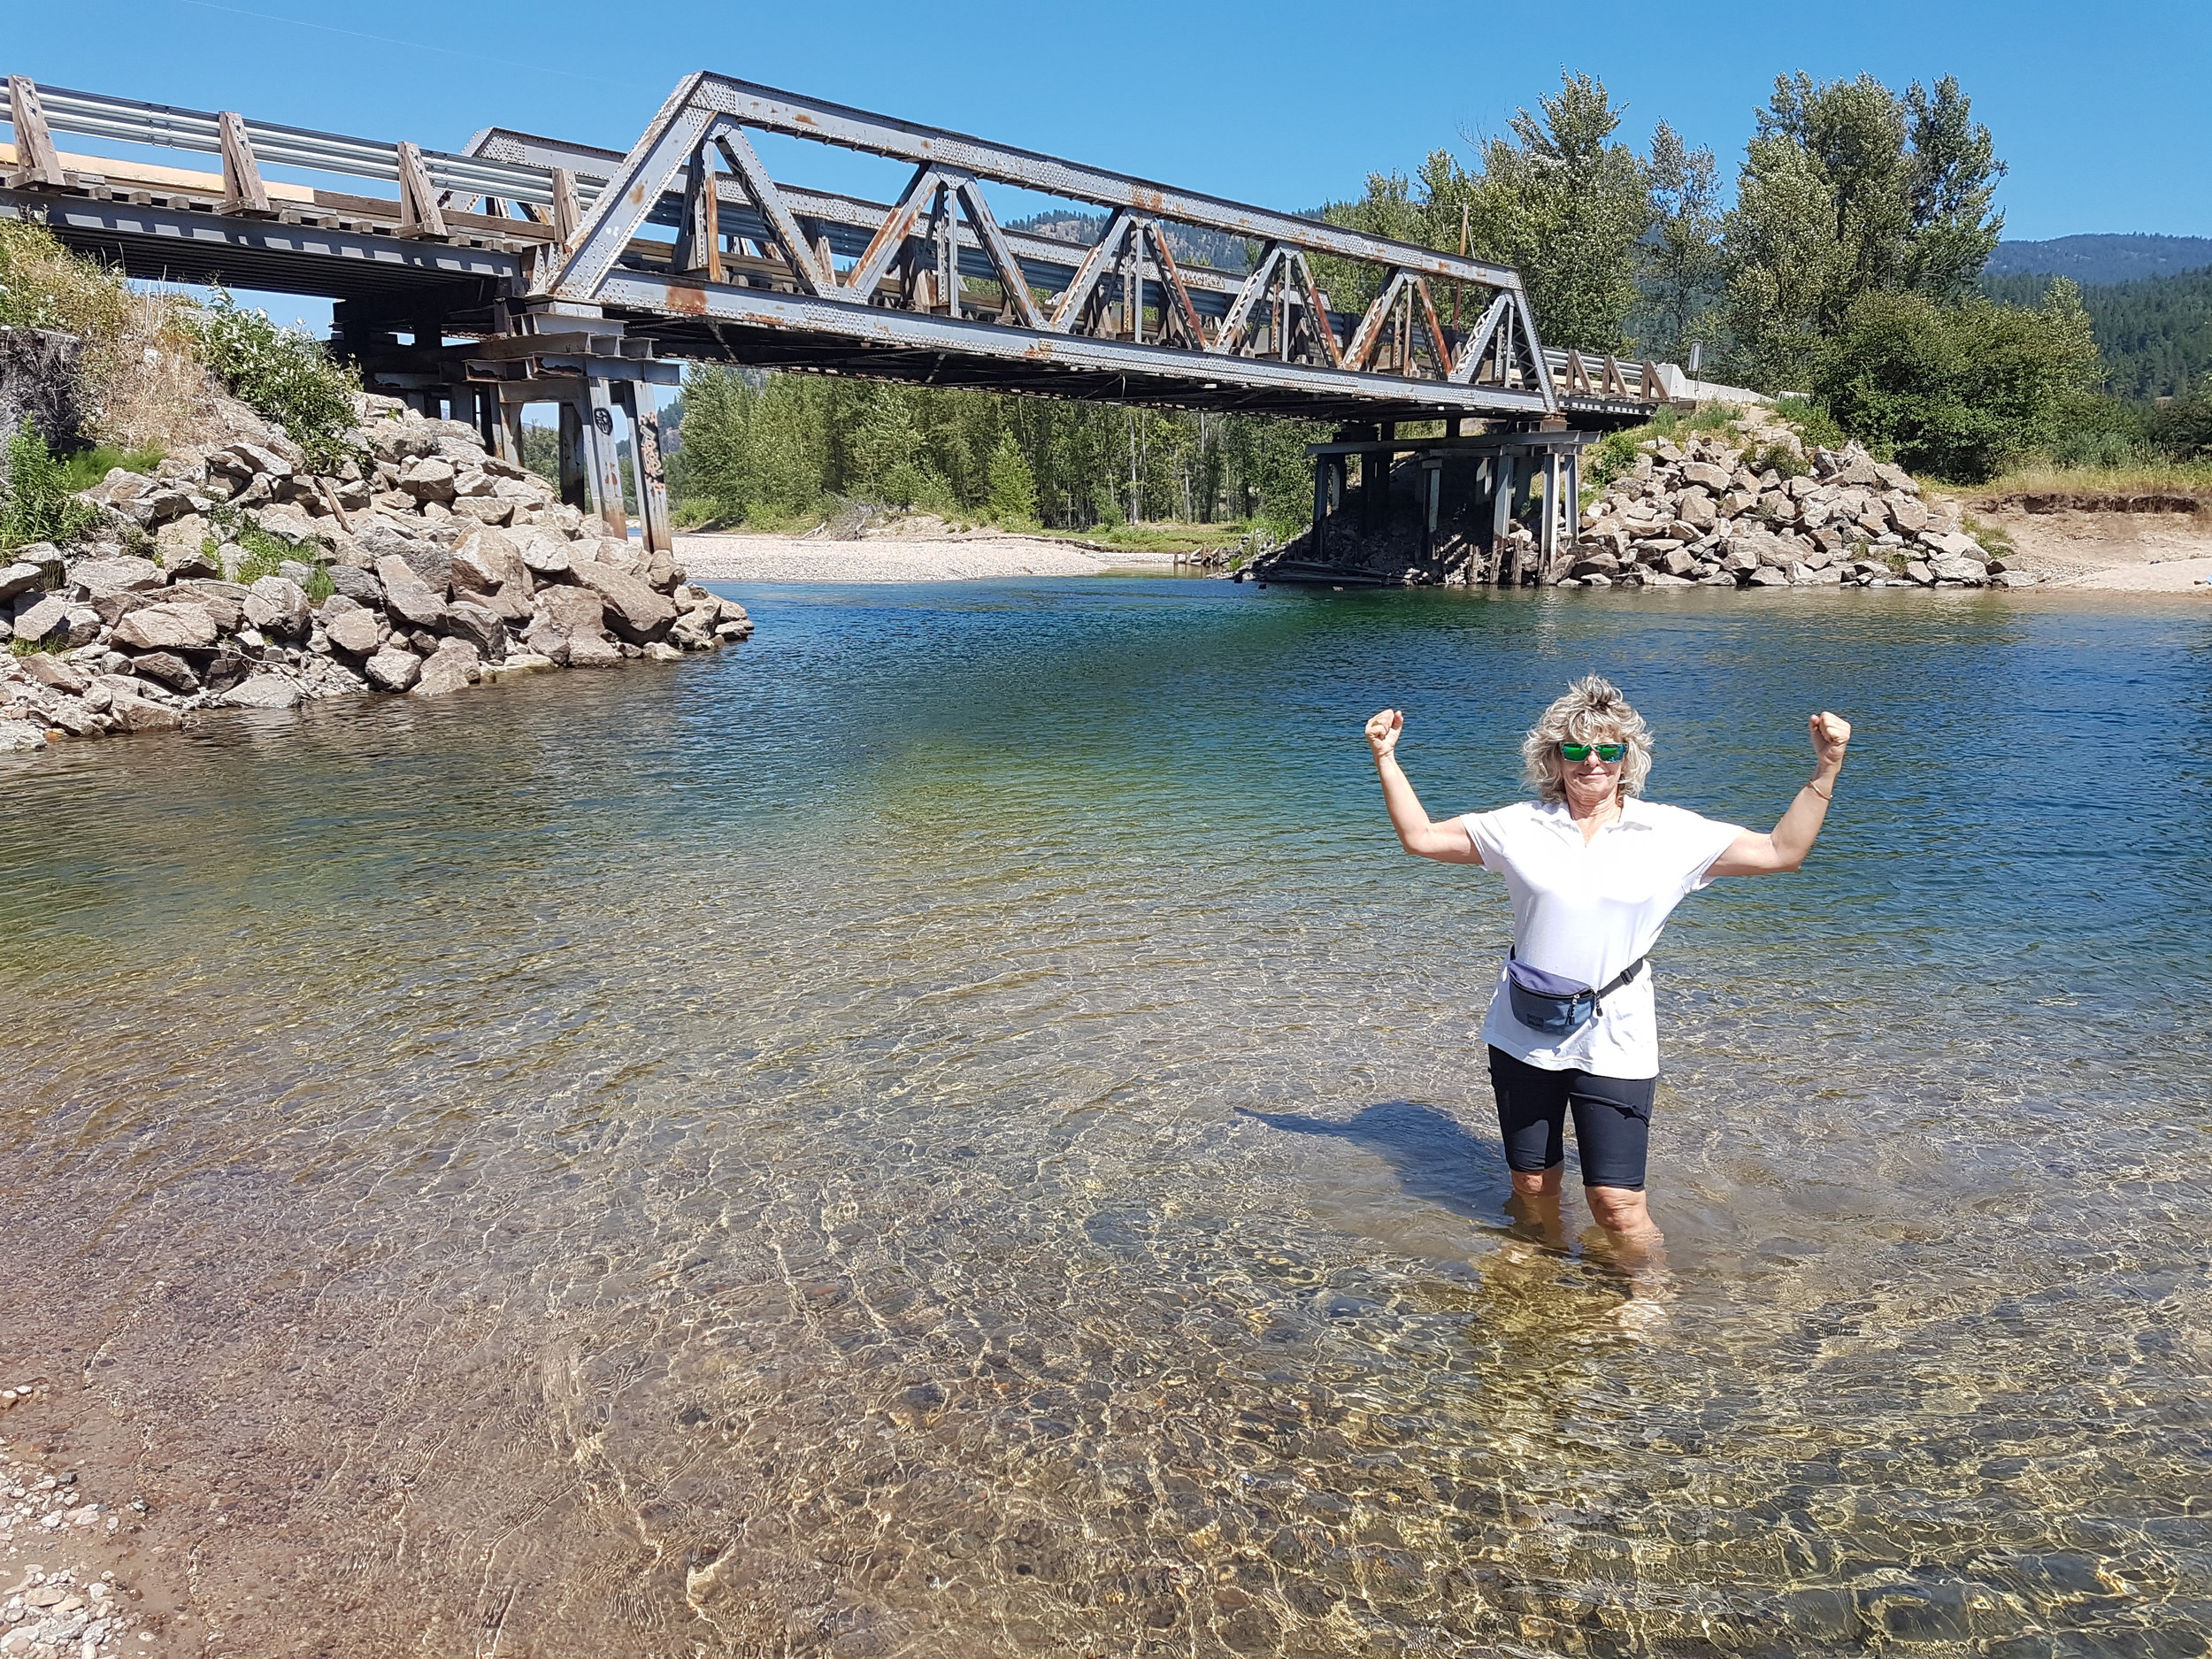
[1575,754]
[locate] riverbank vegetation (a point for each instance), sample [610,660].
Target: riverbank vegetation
[149,375]
[788,451]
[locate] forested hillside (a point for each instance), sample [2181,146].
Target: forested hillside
[2101,259]
[2155,336]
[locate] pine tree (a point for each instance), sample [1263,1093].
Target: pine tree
[1013,497]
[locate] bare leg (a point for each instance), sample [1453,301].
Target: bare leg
[1620,1211]
[1639,1250]
[1535,1206]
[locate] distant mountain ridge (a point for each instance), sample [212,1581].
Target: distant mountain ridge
[2102,258]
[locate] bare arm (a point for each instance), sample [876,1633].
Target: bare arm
[1447,843]
[1784,848]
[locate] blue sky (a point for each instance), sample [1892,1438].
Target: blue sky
[2101,112]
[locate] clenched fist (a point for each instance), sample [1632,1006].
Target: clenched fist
[1382,731]
[1832,735]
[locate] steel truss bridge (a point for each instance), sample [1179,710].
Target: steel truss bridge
[529,270]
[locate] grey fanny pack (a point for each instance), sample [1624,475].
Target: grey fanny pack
[1555,1004]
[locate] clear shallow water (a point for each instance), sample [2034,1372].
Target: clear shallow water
[953,1130]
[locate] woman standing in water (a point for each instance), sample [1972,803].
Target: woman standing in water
[1594,870]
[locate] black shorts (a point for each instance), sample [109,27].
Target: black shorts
[1612,1120]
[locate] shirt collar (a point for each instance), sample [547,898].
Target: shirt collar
[1635,814]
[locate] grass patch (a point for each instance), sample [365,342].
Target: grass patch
[54,646]
[37,504]
[265,553]
[2135,477]
[1992,537]
[89,467]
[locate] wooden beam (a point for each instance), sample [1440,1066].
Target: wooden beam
[419,214]
[34,143]
[566,214]
[243,190]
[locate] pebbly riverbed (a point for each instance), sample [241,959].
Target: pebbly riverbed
[955,1131]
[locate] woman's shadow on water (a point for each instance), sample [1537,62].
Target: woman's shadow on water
[1434,1155]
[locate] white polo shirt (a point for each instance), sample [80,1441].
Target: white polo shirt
[1586,911]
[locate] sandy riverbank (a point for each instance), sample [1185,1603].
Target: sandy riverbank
[2112,552]
[897,558]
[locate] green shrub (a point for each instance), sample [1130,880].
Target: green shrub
[284,374]
[1013,500]
[1815,425]
[37,503]
[43,284]
[1960,391]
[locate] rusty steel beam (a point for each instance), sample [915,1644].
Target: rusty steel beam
[799,117]
[1151,373]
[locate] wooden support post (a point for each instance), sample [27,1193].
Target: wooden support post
[35,160]
[1321,465]
[510,410]
[487,416]
[1504,563]
[1432,494]
[566,214]
[243,192]
[604,486]
[575,465]
[645,459]
[1572,501]
[1547,544]
[419,214]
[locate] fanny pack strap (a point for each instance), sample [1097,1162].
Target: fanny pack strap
[1611,984]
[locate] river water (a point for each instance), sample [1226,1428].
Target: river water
[953,1130]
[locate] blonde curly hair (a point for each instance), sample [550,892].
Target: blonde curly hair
[1593,712]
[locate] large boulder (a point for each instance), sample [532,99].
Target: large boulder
[45,619]
[167,627]
[55,673]
[543,554]
[22,577]
[275,604]
[360,585]
[1955,545]
[225,601]
[566,616]
[428,478]
[487,561]
[166,668]
[393,669]
[142,714]
[354,632]
[633,610]
[407,596]
[263,691]
[478,624]
[452,667]
[121,573]
[17,736]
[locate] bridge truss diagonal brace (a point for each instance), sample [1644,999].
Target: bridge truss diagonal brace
[677,145]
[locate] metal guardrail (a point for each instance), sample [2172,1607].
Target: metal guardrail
[160,126]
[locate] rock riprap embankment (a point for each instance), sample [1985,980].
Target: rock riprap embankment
[422,566]
[1767,511]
